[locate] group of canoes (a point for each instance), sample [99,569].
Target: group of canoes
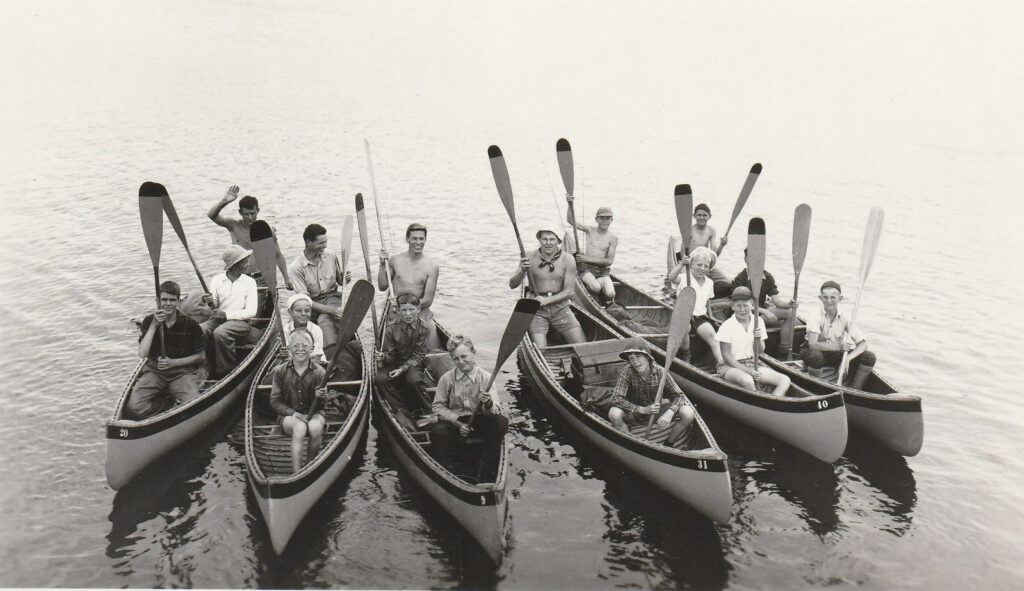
[589,333]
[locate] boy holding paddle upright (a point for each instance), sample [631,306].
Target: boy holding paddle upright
[829,334]
[413,272]
[704,234]
[594,266]
[736,338]
[552,283]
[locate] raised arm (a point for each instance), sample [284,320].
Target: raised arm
[571,218]
[214,213]
[718,244]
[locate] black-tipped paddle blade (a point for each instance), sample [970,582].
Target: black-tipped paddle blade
[151,213]
[684,212]
[679,324]
[264,250]
[515,330]
[564,153]
[501,180]
[748,186]
[755,256]
[360,298]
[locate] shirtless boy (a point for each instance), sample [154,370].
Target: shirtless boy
[413,272]
[594,266]
[552,282]
[704,234]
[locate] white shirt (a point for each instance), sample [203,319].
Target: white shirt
[318,334]
[237,299]
[741,340]
[831,331]
[704,293]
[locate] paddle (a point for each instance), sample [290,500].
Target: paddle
[364,240]
[346,248]
[564,153]
[871,235]
[684,211]
[264,251]
[380,227]
[172,216]
[501,180]
[677,328]
[359,299]
[515,330]
[748,186]
[151,196]
[801,233]
[755,272]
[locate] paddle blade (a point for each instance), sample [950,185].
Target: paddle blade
[564,153]
[515,330]
[172,216]
[755,256]
[748,186]
[151,206]
[346,240]
[360,298]
[684,213]
[364,240]
[871,236]
[501,181]
[801,233]
[264,250]
[679,325]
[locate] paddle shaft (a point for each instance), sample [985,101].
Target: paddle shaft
[871,235]
[678,325]
[380,226]
[801,234]
[172,216]
[748,186]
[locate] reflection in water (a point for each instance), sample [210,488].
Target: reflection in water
[890,474]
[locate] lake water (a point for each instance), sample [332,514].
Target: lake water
[913,107]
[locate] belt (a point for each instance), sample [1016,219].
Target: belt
[546,294]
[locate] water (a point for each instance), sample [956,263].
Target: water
[913,107]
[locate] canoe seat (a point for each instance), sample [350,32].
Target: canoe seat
[598,363]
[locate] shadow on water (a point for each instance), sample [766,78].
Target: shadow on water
[647,530]
[773,466]
[889,473]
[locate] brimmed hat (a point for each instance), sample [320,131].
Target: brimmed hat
[641,348]
[603,211]
[234,255]
[741,293]
[543,230]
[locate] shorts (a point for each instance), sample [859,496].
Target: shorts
[635,418]
[696,321]
[723,368]
[558,315]
[595,270]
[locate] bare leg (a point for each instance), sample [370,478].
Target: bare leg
[706,332]
[539,338]
[607,289]
[575,335]
[316,432]
[616,416]
[297,429]
[590,281]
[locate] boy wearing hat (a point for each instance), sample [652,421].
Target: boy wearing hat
[552,282]
[736,338]
[594,266]
[300,307]
[233,297]
[635,392]
[829,334]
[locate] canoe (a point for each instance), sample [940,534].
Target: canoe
[132,445]
[478,505]
[284,497]
[812,420]
[694,471]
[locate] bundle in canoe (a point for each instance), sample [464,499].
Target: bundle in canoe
[813,420]
[693,470]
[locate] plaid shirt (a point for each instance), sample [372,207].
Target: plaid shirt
[633,391]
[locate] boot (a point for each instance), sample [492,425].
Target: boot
[860,377]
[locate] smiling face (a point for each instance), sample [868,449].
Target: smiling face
[548,243]
[830,298]
[742,309]
[603,221]
[416,240]
[300,347]
[464,358]
[318,245]
[169,303]
[300,312]
[701,217]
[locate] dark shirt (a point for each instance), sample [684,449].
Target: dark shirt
[633,391]
[768,287]
[291,392]
[182,339]
[405,345]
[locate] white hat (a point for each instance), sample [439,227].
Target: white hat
[297,297]
[234,255]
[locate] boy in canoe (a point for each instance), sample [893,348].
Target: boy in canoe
[174,348]
[295,383]
[300,307]
[400,377]
[635,391]
[317,273]
[829,334]
[772,307]
[552,282]
[594,266]
[233,297]
[702,261]
[413,272]
[460,398]
[704,234]
[736,337]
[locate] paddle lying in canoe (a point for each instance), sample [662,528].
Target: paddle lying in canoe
[801,234]
[748,186]
[172,216]
[504,185]
[515,330]
[684,211]
[871,235]
[678,327]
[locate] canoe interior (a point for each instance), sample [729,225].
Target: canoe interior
[271,445]
[592,368]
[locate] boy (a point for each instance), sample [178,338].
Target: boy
[295,383]
[635,390]
[829,334]
[300,308]
[736,337]
[704,234]
[401,355]
[595,264]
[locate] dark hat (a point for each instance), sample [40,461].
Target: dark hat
[831,284]
[640,348]
[741,293]
[701,206]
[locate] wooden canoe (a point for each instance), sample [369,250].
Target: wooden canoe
[694,471]
[284,497]
[812,420]
[132,445]
[479,506]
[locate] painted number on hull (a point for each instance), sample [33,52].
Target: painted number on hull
[702,464]
[124,433]
[822,404]
[483,500]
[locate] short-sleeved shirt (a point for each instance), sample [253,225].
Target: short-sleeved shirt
[291,392]
[704,293]
[768,286]
[632,390]
[181,339]
[741,340]
[405,345]
[831,331]
[318,334]
[315,280]
[458,393]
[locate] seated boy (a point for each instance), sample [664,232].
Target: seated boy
[635,390]
[401,355]
[736,336]
[295,383]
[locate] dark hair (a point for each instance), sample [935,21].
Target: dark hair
[248,202]
[458,339]
[171,288]
[312,232]
[407,298]
[831,284]
[415,227]
[701,206]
